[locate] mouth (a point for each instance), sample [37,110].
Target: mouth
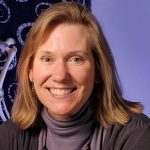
[61,92]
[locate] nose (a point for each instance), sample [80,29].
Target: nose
[60,72]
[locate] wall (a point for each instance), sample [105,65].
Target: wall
[126,25]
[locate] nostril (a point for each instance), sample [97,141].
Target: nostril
[61,77]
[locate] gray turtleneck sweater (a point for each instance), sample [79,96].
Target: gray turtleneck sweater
[75,134]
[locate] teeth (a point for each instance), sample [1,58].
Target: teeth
[60,91]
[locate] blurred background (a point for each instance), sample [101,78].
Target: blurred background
[126,25]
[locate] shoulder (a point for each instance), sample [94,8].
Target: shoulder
[134,135]
[142,118]
[138,121]
[13,136]
[139,132]
[8,132]
[8,127]
[138,126]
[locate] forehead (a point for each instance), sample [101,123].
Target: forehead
[67,29]
[66,36]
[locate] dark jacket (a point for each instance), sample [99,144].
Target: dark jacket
[133,136]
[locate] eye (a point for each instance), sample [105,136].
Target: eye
[77,60]
[46,59]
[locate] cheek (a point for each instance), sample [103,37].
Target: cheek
[85,76]
[40,74]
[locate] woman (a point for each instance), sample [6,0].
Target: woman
[68,93]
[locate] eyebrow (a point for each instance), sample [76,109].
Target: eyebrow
[44,51]
[69,52]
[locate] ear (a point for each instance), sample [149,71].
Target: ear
[31,75]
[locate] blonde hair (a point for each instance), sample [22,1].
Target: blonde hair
[109,106]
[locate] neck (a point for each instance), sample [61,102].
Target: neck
[73,134]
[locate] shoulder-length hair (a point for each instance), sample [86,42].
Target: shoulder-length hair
[109,106]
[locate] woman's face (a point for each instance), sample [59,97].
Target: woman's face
[63,71]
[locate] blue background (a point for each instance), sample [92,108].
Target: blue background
[126,25]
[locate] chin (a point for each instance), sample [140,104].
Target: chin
[62,114]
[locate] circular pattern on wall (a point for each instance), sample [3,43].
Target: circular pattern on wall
[22,1]
[41,7]
[22,31]
[83,2]
[12,91]
[4,12]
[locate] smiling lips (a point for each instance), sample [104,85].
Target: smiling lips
[61,92]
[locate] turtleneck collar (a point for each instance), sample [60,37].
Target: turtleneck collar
[75,134]
[78,127]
